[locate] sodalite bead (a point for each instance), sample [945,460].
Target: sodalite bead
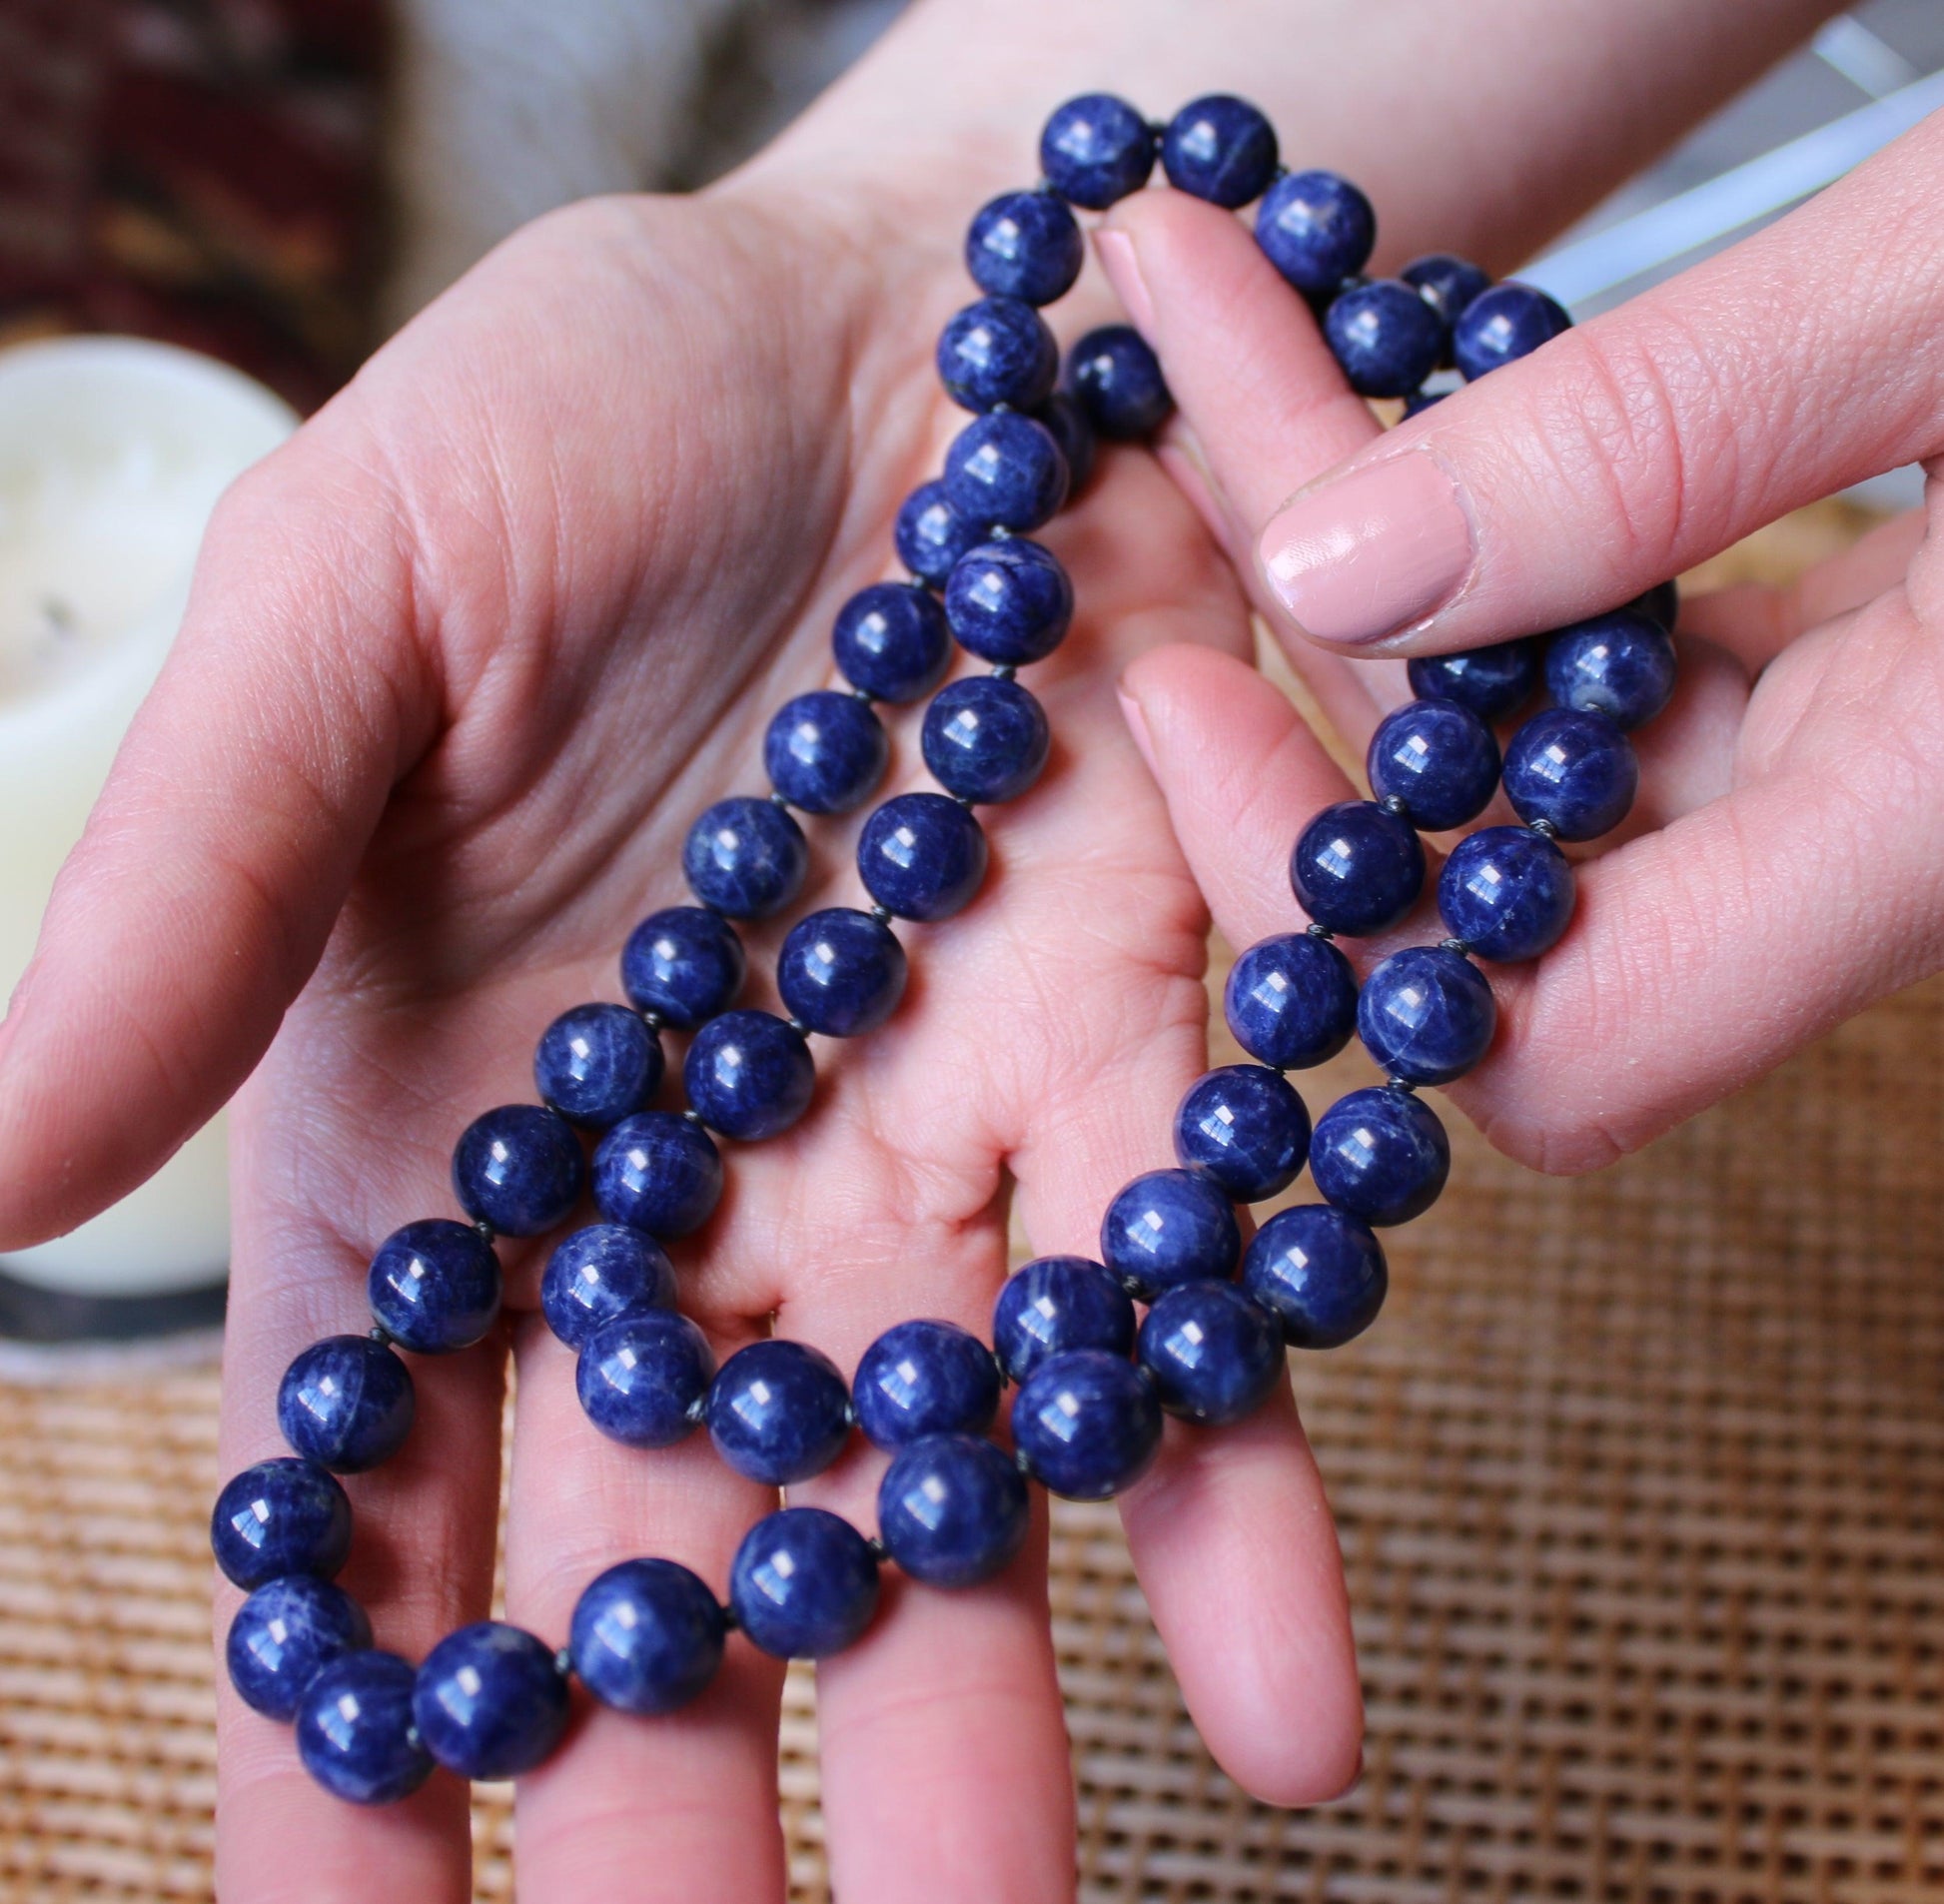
[646,1638]
[1317,229]
[1245,1128]
[1382,1154]
[280,1517]
[1291,1001]
[803,1584]
[995,351]
[825,752]
[434,1286]
[1620,665]
[347,1403]
[842,972]
[1357,868]
[891,640]
[952,1511]
[1087,1424]
[1386,338]
[779,1412]
[1009,603]
[598,1273]
[1427,1015]
[1025,245]
[598,1064]
[1503,323]
[1661,603]
[659,1172]
[1072,429]
[745,857]
[1575,771]
[749,1075]
[1057,1302]
[1449,283]
[285,1635]
[1321,1271]
[642,1375]
[924,1378]
[519,1167]
[1492,683]
[1439,758]
[1007,471]
[1506,893]
[685,964]
[922,856]
[1117,380]
[1096,149]
[930,537]
[491,1701]
[1218,147]
[1215,1353]
[355,1731]
[1169,1227]
[985,739]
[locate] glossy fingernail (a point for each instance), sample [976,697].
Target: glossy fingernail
[1137,725]
[1122,270]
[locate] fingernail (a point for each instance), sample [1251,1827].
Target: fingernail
[1368,553]
[1137,725]
[1122,271]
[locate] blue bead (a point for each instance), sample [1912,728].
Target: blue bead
[1427,1015]
[1575,771]
[922,856]
[1009,603]
[285,1635]
[1215,1353]
[1321,1271]
[985,739]
[491,1702]
[1439,758]
[842,972]
[1057,1302]
[685,964]
[1357,868]
[1291,1001]
[1503,323]
[930,535]
[355,1731]
[1087,1424]
[642,1376]
[1169,1227]
[1422,400]
[1096,149]
[1661,603]
[598,1064]
[1620,665]
[1025,245]
[924,1378]
[825,752]
[1450,283]
[1385,337]
[749,1075]
[745,857]
[1382,1154]
[1220,149]
[1492,683]
[434,1286]
[1118,383]
[346,1403]
[803,1583]
[519,1167]
[779,1412]
[1245,1128]
[1007,471]
[281,1516]
[952,1511]
[996,351]
[646,1637]
[1072,429]
[659,1172]
[890,639]
[1317,229]
[1506,893]
[598,1273]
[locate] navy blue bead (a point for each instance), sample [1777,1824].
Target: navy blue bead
[996,351]
[1357,868]
[1169,1227]
[280,1517]
[825,752]
[842,972]
[491,1702]
[1215,1353]
[1072,429]
[952,1511]
[1096,149]
[745,857]
[1025,245]
[924,1378]
[600,1271]
[684,963]
[1291,1001]
[646,1637]
[1057,1302]
[346,1403]
[1117,380]
[1317,229]
[1575,771]
[1422,400]
[355,1731]
[642,1377]
[659,1172]
[1450,283]
[434,1286]
[1427,1015]
[930,535]
[1506,893]
[1245,1128]
[1439,758]
[1007,471]
[922,856]
[1382,1154]
[779,1412]
[1009,603]
[285,1635]
[1620,665]
[1087,1424]
[749,1075]
[1321,1272]
[1386,338]
[1218,147]
[598,1064]
[1661,604]
[890,639]
[985,739]
[1492,683]
[1503,323]
[519,1167]
[803,1583]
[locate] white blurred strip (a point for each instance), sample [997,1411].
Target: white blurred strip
[1870,63]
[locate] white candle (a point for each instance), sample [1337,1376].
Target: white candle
[112,454]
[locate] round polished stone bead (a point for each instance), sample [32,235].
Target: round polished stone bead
[1169,1227]
[842,972]
[646,1637]
[355,1731]
[491,1701]
[922,856]
[1492,683]
[1245,1127]
[643,1376]
[1057,1302]
[659,1172]
[598,1064]
[1385,337]
[1117,380]
[1427,1015]
[1072,429]
[1025,245]
[1321,1271]
[1503,323]
[1291,1001]
[891,639]
[1213,1353]
[952,1511]
[1439,758]
[825,752]
[685,964]
[1382,1154]
[985,739]
[1086,1424]
[434,1286]
[519,1167]
[803,1584]
[1317,229]
[1218,147]
[1006,469]
[1506,893]
[1357,868]
[1577,772]
[749,1075]
[779,1412]
[285,1635]
[745,857]
[996,351]
[1620,665]
[280,1517]
[1009,603]
[600,1271]
[1661,603]
[1096,149]
[924,1378]
[346,1403]
[1449,283]
[930,537]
